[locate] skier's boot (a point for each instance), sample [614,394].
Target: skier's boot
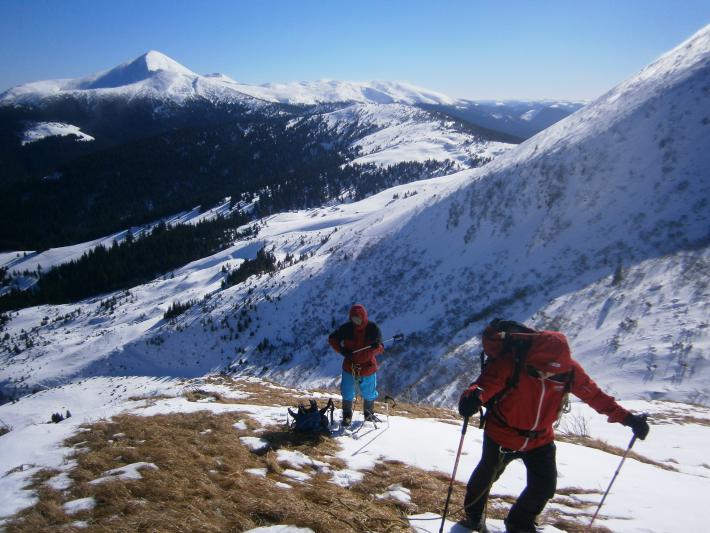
[473,525]
[369,411]
[511,527]
[347,413]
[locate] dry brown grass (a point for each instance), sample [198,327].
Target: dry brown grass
[149,398]
[674,418]
[602,445]
[201,484]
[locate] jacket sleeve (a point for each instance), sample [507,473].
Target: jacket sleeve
[335,339]
[493,378]
[584,388]
[378,338]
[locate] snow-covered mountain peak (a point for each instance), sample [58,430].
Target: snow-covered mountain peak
[138,70]
[155,61]
[152,75]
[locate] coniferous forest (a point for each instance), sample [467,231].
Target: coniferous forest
[131,262]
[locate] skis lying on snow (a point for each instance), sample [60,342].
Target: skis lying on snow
[357,429]
[356,433]
[354,430]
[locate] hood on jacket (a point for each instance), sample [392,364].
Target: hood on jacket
[360,311]
[550,353]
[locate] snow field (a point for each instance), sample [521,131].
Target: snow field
[41,130]
[404,133]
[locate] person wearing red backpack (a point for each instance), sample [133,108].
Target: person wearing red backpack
[359,341]
[523,385]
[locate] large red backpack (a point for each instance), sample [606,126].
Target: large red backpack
[527,347]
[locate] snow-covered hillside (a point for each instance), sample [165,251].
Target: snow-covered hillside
[598,226]
[62,464]
[41,130]
[18,262]
[394,133]
[32,260]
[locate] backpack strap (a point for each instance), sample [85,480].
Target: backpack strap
[329,407]
[516,340]
[293,415]
[518,356]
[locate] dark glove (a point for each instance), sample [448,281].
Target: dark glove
[375,345]
[638,425]
[470,402]
[346,353]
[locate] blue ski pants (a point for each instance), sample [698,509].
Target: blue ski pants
[367,385]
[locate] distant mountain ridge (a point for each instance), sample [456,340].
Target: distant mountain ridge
[156,76]
[519,118]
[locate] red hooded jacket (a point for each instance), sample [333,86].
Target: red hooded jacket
[533,405]
[353,337]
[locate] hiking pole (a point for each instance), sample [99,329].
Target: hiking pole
[389,398]
[626,453]
[453,474]
[396,338]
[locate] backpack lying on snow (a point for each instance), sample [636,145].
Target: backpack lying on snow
[507,338]
[311,419]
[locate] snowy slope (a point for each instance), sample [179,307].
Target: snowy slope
[635,504]
[41,130]
[598,226]
[19,261]
[386,134]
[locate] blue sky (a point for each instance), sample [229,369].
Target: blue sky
[471,49]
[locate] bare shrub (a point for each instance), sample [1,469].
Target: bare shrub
[574,425]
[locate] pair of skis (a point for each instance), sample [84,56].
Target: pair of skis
[375,421]
[355,434]
[354,430]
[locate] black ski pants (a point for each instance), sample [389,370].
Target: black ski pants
[541,469]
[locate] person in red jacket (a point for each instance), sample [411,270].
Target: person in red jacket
[519,420]
[359,341]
